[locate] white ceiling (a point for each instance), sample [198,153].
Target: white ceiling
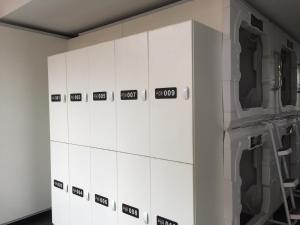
[285,13]
[70,17]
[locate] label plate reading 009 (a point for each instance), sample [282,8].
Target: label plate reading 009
[55,98]
[101,200]
[100,96]
[131,211]
[77,191]
[129,95]
[58,184]
[164,93]
[164,221]
[76,97]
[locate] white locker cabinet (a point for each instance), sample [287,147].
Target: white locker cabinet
[133,189]
[172,191]
[102,103]
[171,91]
[132,101]
[80,205]
[57,81]
[78,88]
[104,187]
[60,183]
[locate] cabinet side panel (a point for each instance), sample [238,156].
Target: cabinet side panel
[208,126]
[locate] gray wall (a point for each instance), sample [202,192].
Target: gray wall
[24,123]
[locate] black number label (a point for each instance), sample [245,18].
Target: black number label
[99,96]
[164,221]
[257,23]
[129,95]
[77,97]
[163,93]
[55,98]
[77,191]
[131,211]
[255,141]
[101,200]
[58,184]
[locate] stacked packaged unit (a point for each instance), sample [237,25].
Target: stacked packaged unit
[137,130]
[261,106]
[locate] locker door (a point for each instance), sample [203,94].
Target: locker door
[59,183]
[102,104]
[78,88]
[170,85]
[171,193]
[104,187]
[80,205]
[57,78]
[133,189]
[132,102]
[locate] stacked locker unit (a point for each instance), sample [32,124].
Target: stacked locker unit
[137,130]
[248,78]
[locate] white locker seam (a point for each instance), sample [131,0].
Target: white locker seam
[149,133]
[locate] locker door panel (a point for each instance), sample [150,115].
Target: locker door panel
[132,106]
[57,78]
[80,205]
[133,189]
[170,85]
[78,88]
[102,104]
[171,193]
[104,187]
[59,183]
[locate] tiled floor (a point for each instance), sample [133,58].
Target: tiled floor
[41,219]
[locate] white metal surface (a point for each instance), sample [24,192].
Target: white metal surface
[102,79]
[57,83]
[78,83]
[104,183]
[80,207]
[171,65]
[60,172]
[132,74]
[172,192]
[133,187]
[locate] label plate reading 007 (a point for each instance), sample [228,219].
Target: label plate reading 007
[164,221]
[77,191]
[100,96]
[164,93]
[129,95]
[101,200]
[55,98]
[58,184]
[76,97]
[131,211]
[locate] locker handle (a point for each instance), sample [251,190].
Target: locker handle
[144,95]
[186,93]
[65,98]
[67,189]
[88,196]
[146,217]
[86,97]
[113,205]
[111,96]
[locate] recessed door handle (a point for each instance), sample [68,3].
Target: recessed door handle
[186,93]
[86,97]
[144,95]
[146,217]
[67,189]
[113,205]
[111,96]
[65,98]
[88,196]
